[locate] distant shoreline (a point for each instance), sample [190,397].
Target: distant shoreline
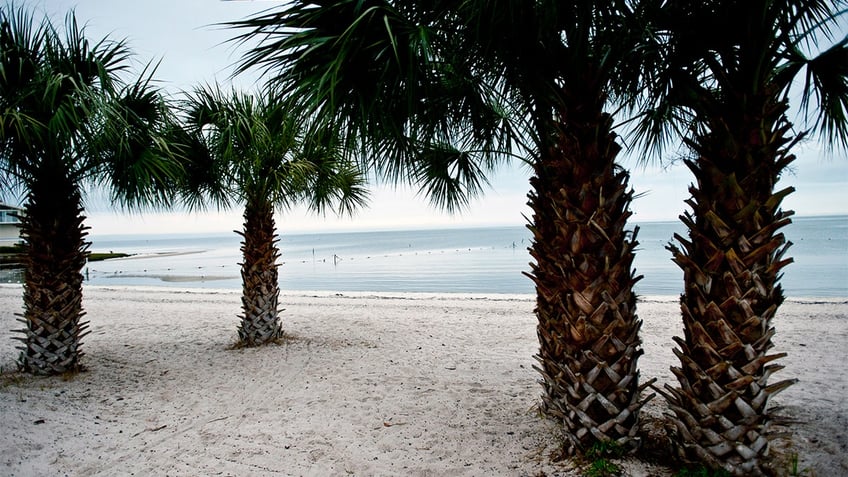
[353,230]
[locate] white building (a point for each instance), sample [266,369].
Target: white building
[10,232]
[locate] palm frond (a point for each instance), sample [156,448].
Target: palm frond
[827,82]
[130,149]
[60,94]
[451,178]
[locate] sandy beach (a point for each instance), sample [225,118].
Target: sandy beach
[365,384]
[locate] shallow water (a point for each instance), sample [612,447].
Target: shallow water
[478,260]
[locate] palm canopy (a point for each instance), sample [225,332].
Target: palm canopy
[64,110]
[713,48]
[251,150]
[440,93]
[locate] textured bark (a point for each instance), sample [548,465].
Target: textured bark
[55,253]
[260,318]
[732,263]
[587,324]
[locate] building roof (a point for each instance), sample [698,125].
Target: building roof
[4,206]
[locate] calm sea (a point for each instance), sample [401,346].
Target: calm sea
[476,260]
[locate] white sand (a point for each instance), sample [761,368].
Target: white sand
[367,385]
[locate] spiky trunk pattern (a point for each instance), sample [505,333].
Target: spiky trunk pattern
[260,318]
[587,324]
[732,264]
[55,253]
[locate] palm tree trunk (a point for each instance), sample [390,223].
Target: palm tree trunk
[260,320]
[732,264]
[587,324]
[56,252]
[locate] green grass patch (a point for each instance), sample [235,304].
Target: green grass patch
[602,468]
[11,249]
[96,257]
[599,456]
[11,256]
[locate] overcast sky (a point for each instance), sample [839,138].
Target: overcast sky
[192,50]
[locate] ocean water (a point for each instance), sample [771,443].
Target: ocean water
[474,260]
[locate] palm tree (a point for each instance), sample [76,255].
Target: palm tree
[66,121]
[730,69]
[439,93]
[252,151]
